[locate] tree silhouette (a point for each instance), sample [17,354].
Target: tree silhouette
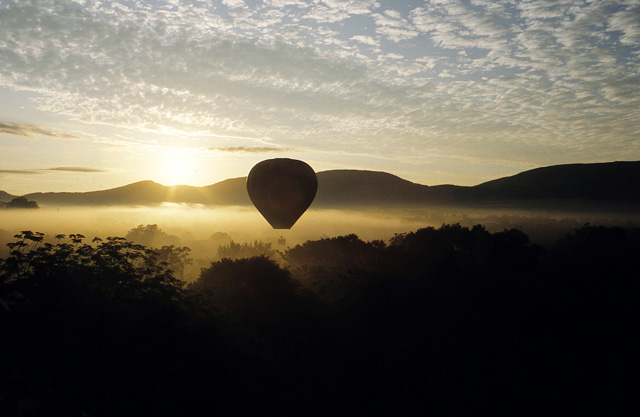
[78,312]
[255,287]
[151,235]
[447,320]
[234,250]
[176,258]
[116,269]
[21,202]
[329,267]
[347,251]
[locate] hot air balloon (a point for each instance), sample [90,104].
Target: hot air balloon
[282,189]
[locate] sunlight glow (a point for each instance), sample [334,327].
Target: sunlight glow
[177,168]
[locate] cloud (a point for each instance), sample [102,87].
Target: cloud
[6,172]
[324,14]
[29,130]
[367,40]
[626,22]
[244,149]
[449,75]
[76,169]
[353,6]
[283,3]
[391,25]
[235,4]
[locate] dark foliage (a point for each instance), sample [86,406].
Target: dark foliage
[451,321]
[255,289]
[101,328]
[20,203]
[325,266]
[233,250]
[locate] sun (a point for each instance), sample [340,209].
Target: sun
[177,169]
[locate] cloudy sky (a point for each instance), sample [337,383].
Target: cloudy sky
[96,94]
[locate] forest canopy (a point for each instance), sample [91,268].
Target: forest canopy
[450,318]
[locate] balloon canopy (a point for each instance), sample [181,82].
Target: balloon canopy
[282,189]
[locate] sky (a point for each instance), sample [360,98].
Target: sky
[96,94]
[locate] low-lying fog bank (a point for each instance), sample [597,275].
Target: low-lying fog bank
[204,229]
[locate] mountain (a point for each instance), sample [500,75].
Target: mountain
[228,192]
[577,184]
[618,181]
[353,188]
[335,189]
[562,185]
[6,197]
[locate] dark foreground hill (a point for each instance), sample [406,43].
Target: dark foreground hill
[577,184]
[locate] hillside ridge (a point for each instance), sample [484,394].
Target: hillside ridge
[598,182]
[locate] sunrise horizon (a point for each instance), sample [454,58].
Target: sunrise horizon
[96,94]
[319,207]
[72,189]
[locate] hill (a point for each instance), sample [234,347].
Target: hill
[574,184]
[354,188]
[6,197]
[337,188]
[618,181]
[228,192]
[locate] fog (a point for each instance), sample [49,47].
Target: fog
[441,319]
[203,229]
[196,223]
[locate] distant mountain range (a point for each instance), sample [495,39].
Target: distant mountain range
[606,183]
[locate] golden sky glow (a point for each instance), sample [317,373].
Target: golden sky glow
[189,91]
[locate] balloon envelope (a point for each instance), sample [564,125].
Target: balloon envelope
[282,189]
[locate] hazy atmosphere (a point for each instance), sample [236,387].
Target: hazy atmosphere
[319,207]
[194,226]
[98,94]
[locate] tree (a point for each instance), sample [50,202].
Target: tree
[235,250]
[85,322]
[21,202]
[66,273]
[249,287]
[342,251]
[177,259]
[332,267]
[151,235]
